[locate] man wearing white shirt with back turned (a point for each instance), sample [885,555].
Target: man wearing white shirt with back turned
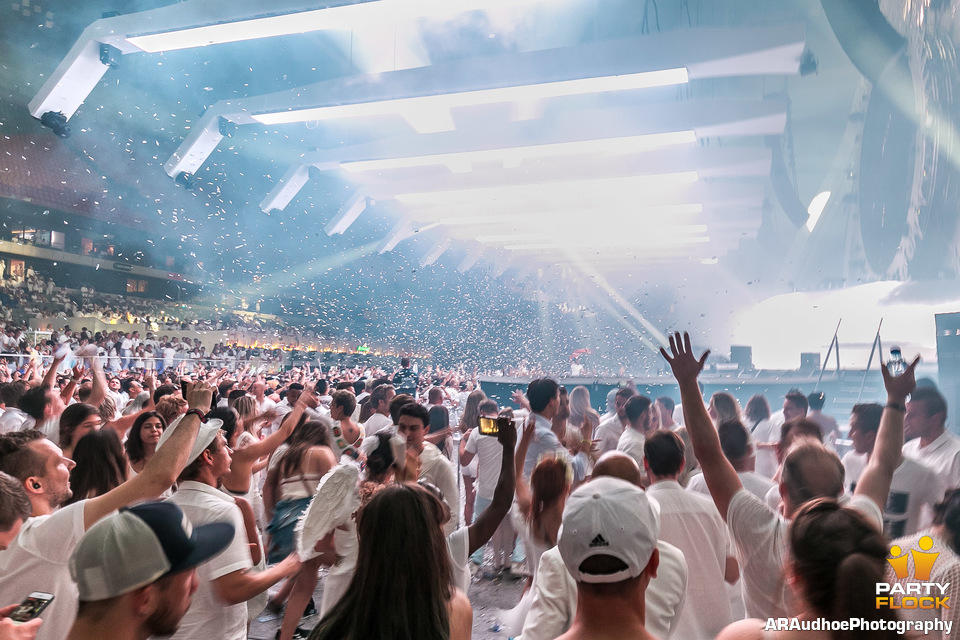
[37,559]
[931,444]
[691,523]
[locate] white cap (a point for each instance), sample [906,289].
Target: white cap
[207,434]
[609,517]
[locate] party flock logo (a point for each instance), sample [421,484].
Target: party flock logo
[920,593]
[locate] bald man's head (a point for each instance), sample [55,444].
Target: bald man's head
[618,465]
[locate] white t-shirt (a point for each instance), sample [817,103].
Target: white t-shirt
[458,545]
[767,431]
[376,423]
[691,522]
[761,538]
[555,596]
[608,433]
[11,420]
[631,443]
[37,560]
[436,469]
[751,481]
[208,616]
[914,490]
[942,455]
[489,455]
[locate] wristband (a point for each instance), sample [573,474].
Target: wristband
[199,413]
[896,406]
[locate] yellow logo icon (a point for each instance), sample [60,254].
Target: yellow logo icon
[922,560]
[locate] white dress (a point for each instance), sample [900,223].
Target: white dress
[511,622]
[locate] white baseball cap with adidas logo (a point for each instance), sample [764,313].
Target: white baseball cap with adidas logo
[609,517]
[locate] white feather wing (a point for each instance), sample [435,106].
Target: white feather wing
[333,504]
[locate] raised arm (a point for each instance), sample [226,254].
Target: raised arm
[524,497]
[161,472]
[876,477]
[721,478]
[485,525]
[67,392]
[269,444]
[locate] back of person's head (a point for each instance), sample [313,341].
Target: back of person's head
[359,386]
[439,418]
[18,458]
[71,418]
[405,362]
[540,392]
[34,401]
[381,458]
[470,419]
[816,400]
[231,421]
[663,451]
[14,502]
[320,388]
[435,395]
[399,402]
[171,406]
[223,389]
[796,397]
[10,392]
[735,440]
[757,408]
[100,465]
[549,483]
[488,407]
[623,393]
[810,471]
[245,406]
[616,464]
[792,430]
[667,403]
[726,406]
[413,560]
[345,400]
[164,390]
[580,401]
[932,400]
[947,513]
[609,537]
[635,407]
[868,416]
[838,557]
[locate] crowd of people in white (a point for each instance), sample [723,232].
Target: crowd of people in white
[666,519]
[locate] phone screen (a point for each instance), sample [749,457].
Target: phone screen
[31,607]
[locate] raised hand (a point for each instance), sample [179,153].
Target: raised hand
[684,364]
[899,387]
[199,395]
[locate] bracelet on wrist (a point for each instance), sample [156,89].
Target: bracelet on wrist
[896,406]
[199,413]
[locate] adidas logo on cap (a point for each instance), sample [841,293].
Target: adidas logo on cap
[599,541]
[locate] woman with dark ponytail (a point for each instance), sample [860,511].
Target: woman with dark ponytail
[837,559]
[939,546]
